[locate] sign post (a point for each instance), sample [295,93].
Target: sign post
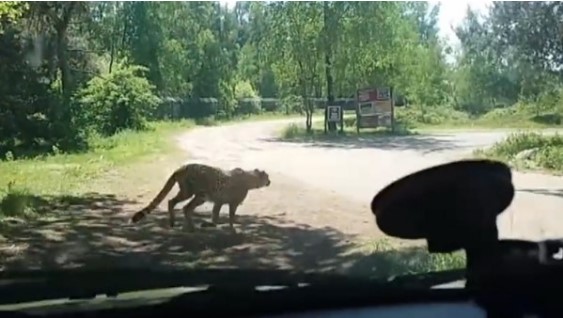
[375,108]
[334,115]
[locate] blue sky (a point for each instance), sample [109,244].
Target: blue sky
[452,12]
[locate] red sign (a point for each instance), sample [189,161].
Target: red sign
[367,95]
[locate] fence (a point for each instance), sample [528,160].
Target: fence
[177,108]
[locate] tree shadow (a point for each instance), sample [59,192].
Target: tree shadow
[91,232]
[423,143]
[547,119]
[552,192]
[59,204]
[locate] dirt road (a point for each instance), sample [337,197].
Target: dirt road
[314,217]
[357,170]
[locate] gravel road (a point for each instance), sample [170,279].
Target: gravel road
[357,170]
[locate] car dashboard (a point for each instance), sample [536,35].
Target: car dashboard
[466,309]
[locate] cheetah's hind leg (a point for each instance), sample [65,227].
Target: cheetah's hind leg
[188,210]
[182,195]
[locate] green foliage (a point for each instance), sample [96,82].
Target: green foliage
[16,201]
[529,150]
[11,11]
[292,104]
[120,100]
[23,181]
[247,99]
[206,121]
[504,57]
[291,131]
[434,115]
[221,63]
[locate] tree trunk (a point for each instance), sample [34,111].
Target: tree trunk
[306,101]
[328,66]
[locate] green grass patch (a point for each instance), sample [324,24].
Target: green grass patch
[528,150]
[413,119]
[56,174]
[298,132]
[443,117]
[383,259]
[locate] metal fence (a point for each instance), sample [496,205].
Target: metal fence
[177,108]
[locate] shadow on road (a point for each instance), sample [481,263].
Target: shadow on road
[552,192]
[423,143]
[89,232]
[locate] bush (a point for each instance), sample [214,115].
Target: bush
[293,104]
[270,104]
[200,107]
[247,99]
[249,106]
[545,152]
[16,201]
[501,113]
[206,121]
[33,118]
[430,115]
[291,131]
[518,142]
[117,101]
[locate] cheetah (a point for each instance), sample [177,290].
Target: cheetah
[206,184]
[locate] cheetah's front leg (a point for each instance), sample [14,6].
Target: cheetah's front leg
[215,212]
[232,211]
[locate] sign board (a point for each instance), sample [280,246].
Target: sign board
[375,108]
[334,114]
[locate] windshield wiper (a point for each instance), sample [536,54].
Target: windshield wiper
[85,284]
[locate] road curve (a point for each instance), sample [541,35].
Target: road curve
[358,170]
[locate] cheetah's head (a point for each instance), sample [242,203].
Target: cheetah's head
[261,177]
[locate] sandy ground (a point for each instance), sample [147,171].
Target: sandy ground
[314,216]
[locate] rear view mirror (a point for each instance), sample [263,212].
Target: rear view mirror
[449,205]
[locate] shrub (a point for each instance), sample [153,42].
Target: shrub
[247,99]
[293,104]
[430,115]
[545,151]
[120,100]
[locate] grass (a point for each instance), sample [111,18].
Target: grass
[517,116]
[413,120]
[296,131]
[386,258]
[73,173]
[528,151]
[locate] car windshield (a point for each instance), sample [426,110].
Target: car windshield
[254,135]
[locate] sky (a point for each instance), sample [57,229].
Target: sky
[452,12]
